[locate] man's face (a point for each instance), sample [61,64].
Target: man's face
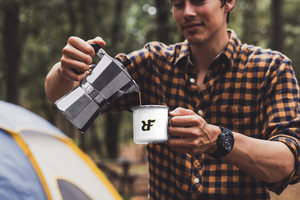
[199,20]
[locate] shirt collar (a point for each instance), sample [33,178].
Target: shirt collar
[230,51]
[184,53]
[233,47]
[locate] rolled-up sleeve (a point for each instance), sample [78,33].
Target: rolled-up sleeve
[283,114]
[294,145]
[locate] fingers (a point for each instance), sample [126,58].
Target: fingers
[78,55]
[183,132]
[189,145]
[78,49]
[186,121]
[67,64]
[184,150]
[181,112]
[182,117]
[193,140]
[185,145]
[182,143]
[189,131]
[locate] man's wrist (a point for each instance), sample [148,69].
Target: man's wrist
[224,143]
[214,132]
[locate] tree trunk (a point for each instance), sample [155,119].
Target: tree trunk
[72,16]
[12,50]
[277,33]
[250,28]
[116,31]
[163,11]
[113,119]
[95,139]
[111,133]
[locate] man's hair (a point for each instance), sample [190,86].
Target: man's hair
[223,2]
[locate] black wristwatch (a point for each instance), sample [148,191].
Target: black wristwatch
[225,143]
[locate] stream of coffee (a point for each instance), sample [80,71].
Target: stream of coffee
[140,98]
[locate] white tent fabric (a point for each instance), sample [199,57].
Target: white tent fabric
[55,158]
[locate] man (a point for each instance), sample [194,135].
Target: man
[210,80]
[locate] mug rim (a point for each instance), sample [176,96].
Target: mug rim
[148,106]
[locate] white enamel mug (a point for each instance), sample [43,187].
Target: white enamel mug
[150,124]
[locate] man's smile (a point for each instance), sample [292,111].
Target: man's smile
[191,27]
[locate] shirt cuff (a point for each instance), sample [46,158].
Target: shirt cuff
[294,177]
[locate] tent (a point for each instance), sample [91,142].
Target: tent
[38,161]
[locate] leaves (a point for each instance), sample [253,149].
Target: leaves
[45,26]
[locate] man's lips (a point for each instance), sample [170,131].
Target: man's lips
[191,27]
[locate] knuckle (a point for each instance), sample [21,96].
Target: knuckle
[194,134]
[89,50]
[81,67]
[77,78]
[171,143]
[63,60]
[194,144]
[66,50]
[64,73]
[88,59]
[194,120]
[190,110]
[72,39]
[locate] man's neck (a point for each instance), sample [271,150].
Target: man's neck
[203,54]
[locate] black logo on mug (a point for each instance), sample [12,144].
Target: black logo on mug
[147,126]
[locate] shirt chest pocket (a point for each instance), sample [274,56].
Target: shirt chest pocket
[243,119]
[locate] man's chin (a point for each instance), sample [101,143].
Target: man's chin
[195,40]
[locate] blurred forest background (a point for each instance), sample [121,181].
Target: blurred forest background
[34,32]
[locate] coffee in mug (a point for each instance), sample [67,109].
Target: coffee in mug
[150,124]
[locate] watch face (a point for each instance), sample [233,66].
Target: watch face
[227,142]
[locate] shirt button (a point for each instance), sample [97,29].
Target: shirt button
[192,80]
[200,112]
[196,180]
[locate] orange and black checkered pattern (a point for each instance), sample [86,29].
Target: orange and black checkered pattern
[246,89]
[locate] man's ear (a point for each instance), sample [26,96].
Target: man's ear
[229,5]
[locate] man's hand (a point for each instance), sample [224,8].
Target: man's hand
[258,158]
[191,133]
[77,54]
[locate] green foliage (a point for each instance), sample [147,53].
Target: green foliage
[49,24]
[262,26]
[292,31]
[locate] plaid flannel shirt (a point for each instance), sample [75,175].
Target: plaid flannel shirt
[247,89]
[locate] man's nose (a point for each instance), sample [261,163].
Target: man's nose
[189,10]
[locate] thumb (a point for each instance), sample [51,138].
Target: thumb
[97,40]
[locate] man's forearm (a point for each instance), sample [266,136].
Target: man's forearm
[268,161]
[56,86]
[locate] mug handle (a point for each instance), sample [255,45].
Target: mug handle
[169,121]
[169,124]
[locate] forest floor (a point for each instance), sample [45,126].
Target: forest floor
[135,186]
